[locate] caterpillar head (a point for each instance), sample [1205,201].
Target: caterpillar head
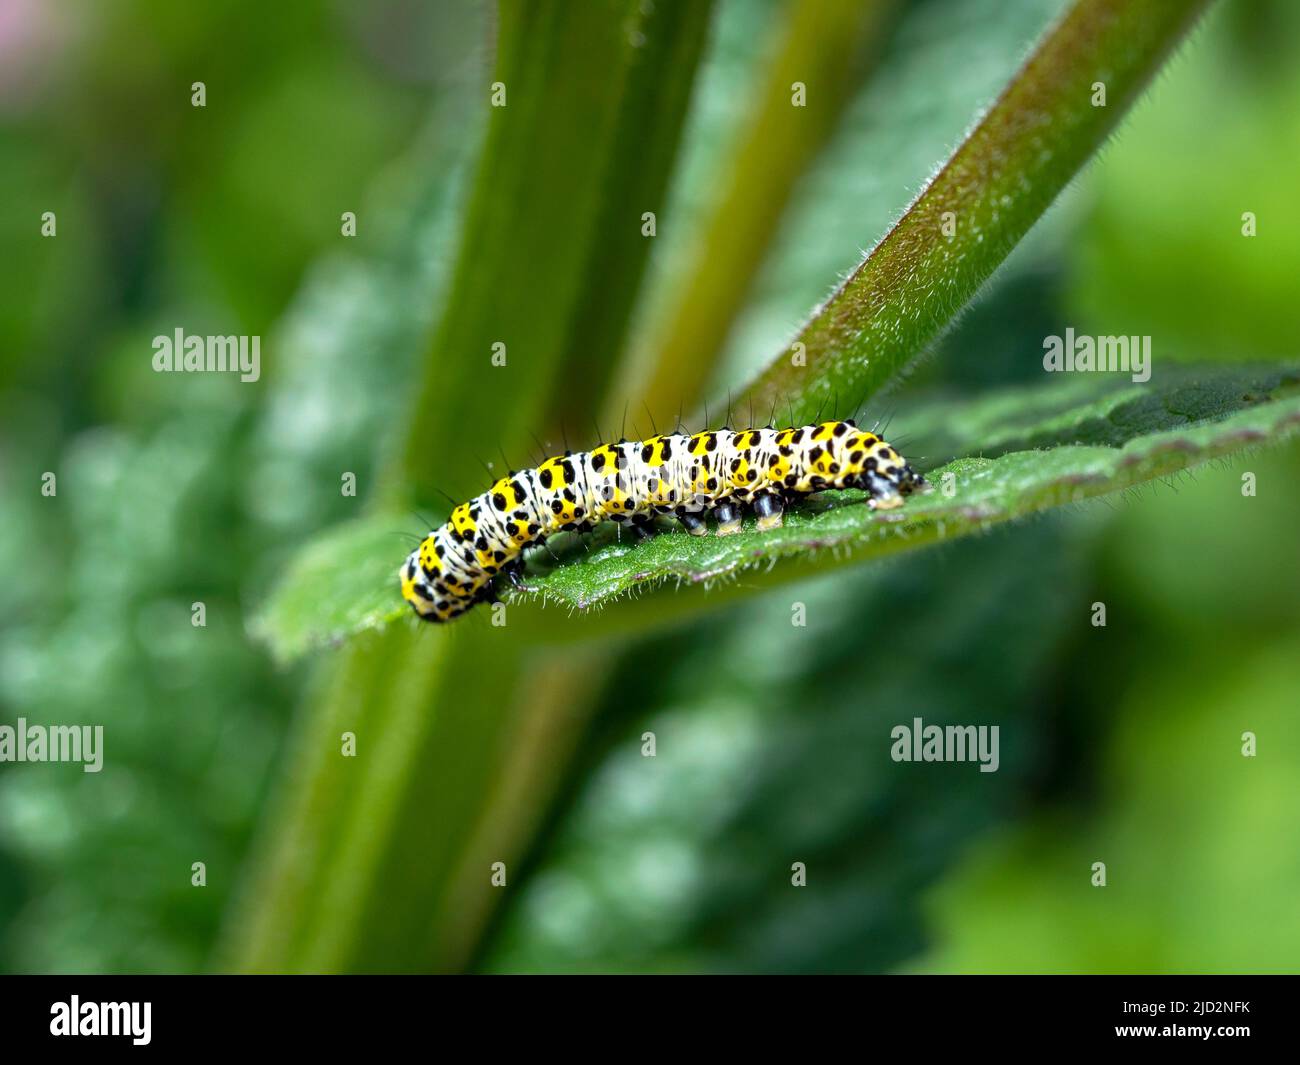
[873,465]
[887,489]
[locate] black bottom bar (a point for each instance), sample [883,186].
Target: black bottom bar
[337,1014]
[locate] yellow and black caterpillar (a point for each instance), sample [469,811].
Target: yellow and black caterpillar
[687,476]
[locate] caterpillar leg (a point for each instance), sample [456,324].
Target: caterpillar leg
[693,524]
[514,572]
[642,525]
[885,502]
[770,510]
[728,515]
[883,493]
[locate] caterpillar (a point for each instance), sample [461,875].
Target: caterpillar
[687,476]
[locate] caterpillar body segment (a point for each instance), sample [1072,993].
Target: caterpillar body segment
[688,476]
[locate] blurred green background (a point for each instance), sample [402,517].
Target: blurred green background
[1119,744]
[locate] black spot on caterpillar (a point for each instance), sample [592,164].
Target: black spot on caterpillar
[629,482]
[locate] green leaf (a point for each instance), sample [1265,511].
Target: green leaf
[339,585]
[1010,454]
[1002,177]
[1084,446]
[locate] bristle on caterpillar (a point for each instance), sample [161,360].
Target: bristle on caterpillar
[686,476]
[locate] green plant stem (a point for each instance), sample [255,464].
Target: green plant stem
[551,254]
[827,47]
[1005,174]
[375,861]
